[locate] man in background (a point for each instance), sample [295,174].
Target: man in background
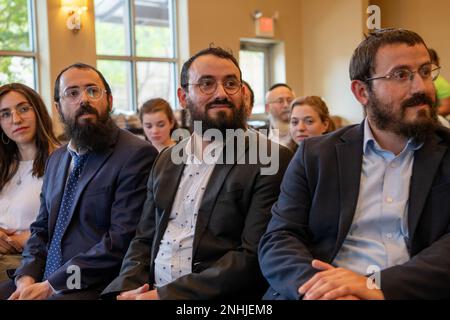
[278,101]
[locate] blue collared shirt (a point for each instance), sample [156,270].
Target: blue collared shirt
[379,232]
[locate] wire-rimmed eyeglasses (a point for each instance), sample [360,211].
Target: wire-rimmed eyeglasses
[209,86]
[427,71]
[22,110]
[73,95]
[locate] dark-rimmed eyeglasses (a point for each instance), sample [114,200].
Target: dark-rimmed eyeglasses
[73,95]
[209,86]
[426,72]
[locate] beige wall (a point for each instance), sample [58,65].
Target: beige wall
[332,30]
[60,47]
[319,37]
[429,18]
[225,22]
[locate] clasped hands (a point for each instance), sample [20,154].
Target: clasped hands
[332,283]
[12,242]
[141,293]
[28,289]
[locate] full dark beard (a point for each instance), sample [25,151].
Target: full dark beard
[91,136]
[419,129]
[222,121]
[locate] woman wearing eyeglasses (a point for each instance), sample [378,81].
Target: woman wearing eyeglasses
[26,140]
[158,122]
[309,118]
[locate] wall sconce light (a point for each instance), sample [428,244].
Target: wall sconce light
[74,9]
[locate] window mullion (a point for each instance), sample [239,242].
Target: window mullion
[132,33]
[34,44]
[176,53]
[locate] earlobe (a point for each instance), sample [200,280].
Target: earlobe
[327,125]
[57,107]
[110,105]
[181,93]
[360,91]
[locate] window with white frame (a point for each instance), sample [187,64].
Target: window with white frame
[136,50]
[254,63]
[18,52]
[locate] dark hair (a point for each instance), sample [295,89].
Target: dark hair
[362,64]
[45,138]
[252,94]
[215,51]
[78,65]
[277,85]
[434,56]
[319,106]
[158,105]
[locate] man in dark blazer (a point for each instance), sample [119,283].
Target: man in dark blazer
[77,258]
[202,221]
[364,212]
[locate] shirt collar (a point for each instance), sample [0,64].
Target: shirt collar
[196,154]
[370,142]
[73,150]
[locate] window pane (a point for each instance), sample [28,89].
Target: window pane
[111,31]
[155,80]
[118,75]
[154,31]
[17,69]
[15,25]
[252,64]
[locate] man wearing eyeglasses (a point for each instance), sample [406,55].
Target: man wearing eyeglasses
[91,198]
[278,103]
[364,213]
[203,217]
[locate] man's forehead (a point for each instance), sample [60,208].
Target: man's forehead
[213,66]
[401,54]
[79,77]
[280,92]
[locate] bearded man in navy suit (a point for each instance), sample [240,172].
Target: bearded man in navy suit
[86,220]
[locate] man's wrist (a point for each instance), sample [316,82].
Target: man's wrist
[23,280]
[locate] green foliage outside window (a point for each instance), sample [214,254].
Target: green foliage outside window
[15,36]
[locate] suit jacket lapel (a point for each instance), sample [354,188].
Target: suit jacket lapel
[349,156]
[426,164]
[215,183]
[94,162]
[57,190]
[165,193]
[165,187]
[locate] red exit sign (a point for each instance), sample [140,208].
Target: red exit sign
[265,27]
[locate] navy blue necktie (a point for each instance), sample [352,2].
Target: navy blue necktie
[54,255]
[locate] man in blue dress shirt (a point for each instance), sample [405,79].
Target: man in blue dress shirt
[364,213]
